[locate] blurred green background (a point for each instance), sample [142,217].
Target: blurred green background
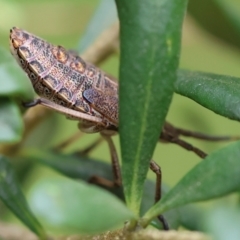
[63,22]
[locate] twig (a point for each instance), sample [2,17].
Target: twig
[106,44]
[150,234]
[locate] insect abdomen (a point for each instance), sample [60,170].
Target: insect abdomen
[58,75]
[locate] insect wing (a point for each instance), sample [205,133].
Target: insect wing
[104,103]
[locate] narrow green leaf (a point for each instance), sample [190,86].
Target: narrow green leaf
[150,35]
[225,23]
[218,93]
[231,10]
[216,176]
[74,166]
[73,206]
[14,82]
[80,167]
[12,196]
[191,217]
[11,124]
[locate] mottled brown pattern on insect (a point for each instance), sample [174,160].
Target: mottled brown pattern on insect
[63,77]
[60,54]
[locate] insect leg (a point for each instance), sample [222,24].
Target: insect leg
[114,160]
[33,103]
[187,133]
[168,137]
[189,147]
[68,141]
[158,190]
[91,147]
[74,138]
[157,170]
[66,111]
[205,137]
[115,166]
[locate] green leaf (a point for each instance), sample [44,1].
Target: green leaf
[216,176]
[73,206]
[191,217]
[12,196]
[150,35]
[74,166]
[11,125]
[225,23]
[218,93]
[80,167]
[14,82]
[231,11]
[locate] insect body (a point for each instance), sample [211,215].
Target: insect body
[67,83]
